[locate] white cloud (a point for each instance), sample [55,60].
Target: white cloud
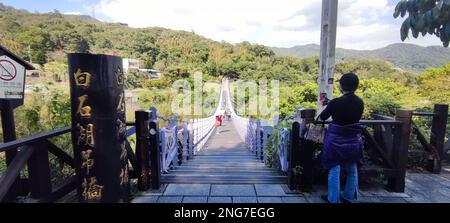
[72,13]
[362,24]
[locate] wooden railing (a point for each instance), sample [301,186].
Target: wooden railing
[386,141]
[433,146]
[33,152]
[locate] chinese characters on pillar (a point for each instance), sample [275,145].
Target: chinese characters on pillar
[86,140]
[121,126]
[99,127]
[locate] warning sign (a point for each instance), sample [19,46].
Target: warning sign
[12,79]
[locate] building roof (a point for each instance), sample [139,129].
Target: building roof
[16,58]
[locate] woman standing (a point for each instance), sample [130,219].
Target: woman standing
[343,143]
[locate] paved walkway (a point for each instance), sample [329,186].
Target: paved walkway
[224,160]
[420,188]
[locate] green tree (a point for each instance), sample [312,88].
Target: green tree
[425,17]
[434,84]
[39,42]
[58,70]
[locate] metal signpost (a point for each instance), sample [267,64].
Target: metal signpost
[12,87]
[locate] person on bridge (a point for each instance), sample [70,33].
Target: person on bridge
[343,146]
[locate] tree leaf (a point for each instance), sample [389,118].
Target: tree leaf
[424,32]
[436,12]
[420,23]
[403,9]
[397,9]
[405,29]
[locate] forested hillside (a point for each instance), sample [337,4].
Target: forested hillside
[401,55]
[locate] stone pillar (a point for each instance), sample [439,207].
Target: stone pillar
[98,127]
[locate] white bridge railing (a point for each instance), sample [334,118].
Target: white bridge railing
[180,143]
[256,132]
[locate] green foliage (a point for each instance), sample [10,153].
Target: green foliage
[44,110]
[135,79]
[57,69]
[384,96]
[273,159]
[425,17]
[38,40]
[434,84]
[298,96]
[159,98]
[380,70]
[159,84]
[174,73]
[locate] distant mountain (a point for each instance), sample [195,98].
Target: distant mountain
[405,56]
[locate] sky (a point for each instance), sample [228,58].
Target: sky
[362,24]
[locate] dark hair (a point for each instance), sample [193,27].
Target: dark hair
[349,82]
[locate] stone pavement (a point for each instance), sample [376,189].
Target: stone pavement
[420,188]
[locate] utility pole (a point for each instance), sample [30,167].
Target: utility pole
[327,52]
[93,12]
[29,54]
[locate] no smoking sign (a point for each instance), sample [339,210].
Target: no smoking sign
[7,70]
[12,78]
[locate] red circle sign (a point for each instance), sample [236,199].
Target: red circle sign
[7,70]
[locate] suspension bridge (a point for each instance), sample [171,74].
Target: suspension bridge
[193,161]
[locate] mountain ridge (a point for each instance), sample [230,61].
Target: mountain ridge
[406,56]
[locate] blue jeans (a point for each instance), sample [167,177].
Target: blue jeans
[351,185]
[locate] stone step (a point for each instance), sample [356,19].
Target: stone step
[224,168]
[183,172]
[226,164]
[225,159]
[220,153]
[223,179]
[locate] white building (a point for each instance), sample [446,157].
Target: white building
[131,64]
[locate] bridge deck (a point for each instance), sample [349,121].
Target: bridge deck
[224,160]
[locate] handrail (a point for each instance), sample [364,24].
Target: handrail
[169,146]
[430,114]
[367,122]
[27,148]
[204,137]
[31,139]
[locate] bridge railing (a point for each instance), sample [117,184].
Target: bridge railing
[157,150]
[33,152]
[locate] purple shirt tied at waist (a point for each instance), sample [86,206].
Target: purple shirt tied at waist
[342,145]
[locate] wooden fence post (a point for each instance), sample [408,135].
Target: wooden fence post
[39,171]
[438,127]
[294,157]
[306,152]
[143,149]
[155,154]
[400,153]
